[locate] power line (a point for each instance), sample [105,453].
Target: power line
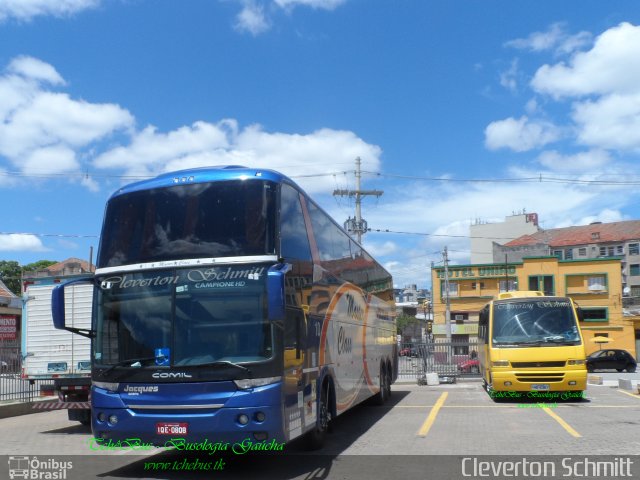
[379,230]
[535,179]
[61,235]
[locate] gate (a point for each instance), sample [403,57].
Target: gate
[12,385]
[446,358]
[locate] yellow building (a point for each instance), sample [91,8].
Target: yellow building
[594,284]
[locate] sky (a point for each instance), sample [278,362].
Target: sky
[461,111]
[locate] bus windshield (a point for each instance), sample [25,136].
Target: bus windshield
[230,218]
[534,322]
[184,317]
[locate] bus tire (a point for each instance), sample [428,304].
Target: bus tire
[389,380]
[381,397]
[316,437]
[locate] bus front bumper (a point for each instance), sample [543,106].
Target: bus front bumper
[532,381]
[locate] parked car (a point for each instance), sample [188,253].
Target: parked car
[611,359]
[469,366]
[409,352]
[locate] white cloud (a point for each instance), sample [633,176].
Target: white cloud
[252,19]
[27,9]
[35,69]
[509,78]
[606,215]
[256,16]
[224,143]
[605,82]
[520,135]
[318,4]
[611,66]
[43,129]
[554,39]
[379,249]
[612,121]
[580,162]
[20,242]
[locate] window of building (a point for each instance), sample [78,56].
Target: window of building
[595,314]
[568,254]
[603,251]
[634,270]
[595,236]
[597,283]
[453,289]
[508,286]
[582,252]
[543,283]
[557,253]
[635,291]
[460,344]
[634,249]
[619,249]
[460,317]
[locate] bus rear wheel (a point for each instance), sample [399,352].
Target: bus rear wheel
[385,387]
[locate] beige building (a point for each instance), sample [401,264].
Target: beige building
[484,234]
[595,284]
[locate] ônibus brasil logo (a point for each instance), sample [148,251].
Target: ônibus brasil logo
[34,467]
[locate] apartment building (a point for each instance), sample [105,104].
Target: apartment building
[595,284]
[597,240]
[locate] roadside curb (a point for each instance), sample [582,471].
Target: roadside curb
[15,409]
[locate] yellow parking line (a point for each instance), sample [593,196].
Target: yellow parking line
[432,415]
[564,424]
[634,395]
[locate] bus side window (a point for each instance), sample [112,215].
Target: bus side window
[483,324]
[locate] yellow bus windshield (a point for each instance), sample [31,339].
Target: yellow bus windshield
[534,322]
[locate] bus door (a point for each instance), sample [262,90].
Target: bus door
[483,344]
[296,380]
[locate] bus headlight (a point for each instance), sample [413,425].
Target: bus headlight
[108,386]
[500,363]
[576,362]
[256,382]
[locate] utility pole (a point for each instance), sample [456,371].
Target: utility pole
[447,311]
[357,225]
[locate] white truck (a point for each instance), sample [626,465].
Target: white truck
[58,355]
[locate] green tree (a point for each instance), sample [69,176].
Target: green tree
[39,265]
[10,274]
[403,321]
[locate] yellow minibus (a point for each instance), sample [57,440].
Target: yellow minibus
[529,342]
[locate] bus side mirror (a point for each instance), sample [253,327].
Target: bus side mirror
[275,290]
[580,314]
[58,310]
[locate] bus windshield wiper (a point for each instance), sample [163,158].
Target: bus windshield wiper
[560,339]
[130,361]
[222,363]
[531,343]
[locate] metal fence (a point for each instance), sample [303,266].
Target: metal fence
[446,358]
[12,385]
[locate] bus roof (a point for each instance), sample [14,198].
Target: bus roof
[204,175]
[520,294]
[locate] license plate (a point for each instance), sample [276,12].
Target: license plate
[171,428]
[540,386]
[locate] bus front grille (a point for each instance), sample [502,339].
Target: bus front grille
[538,364]
[540,377]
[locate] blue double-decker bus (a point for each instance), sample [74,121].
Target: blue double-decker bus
[230,307]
